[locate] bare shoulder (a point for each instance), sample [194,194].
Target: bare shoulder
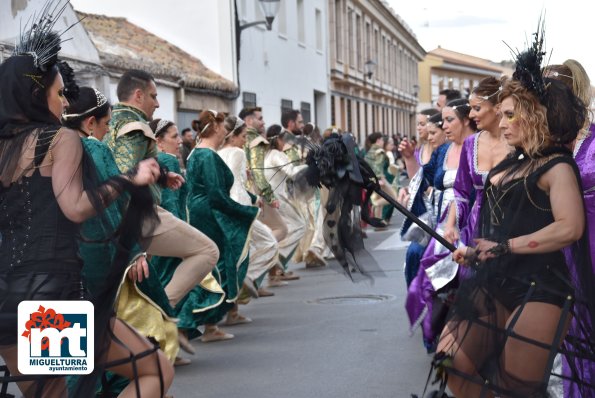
[65,136]
[560,175]
[66,143]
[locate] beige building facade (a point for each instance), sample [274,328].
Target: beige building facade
[373,69]
[445,69]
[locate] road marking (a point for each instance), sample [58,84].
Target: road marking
[393,242]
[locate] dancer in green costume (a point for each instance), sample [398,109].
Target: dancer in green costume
[208,294]
[149,314]
[213,212]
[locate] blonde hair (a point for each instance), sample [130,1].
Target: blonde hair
[531,118]
[573,74]
[581,84]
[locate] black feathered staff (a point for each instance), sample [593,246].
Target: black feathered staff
[336,166]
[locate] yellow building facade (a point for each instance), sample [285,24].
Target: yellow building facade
[445,69]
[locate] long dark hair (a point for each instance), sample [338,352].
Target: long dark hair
[23,107]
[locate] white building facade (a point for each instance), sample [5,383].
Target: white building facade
[285,68]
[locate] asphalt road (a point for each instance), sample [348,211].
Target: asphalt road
[298,347]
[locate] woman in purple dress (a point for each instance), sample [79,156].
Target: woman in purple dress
[435,261]
[481,152]
[573,75]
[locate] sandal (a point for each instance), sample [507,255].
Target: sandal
[236,319]
[185,343]
[216,335]
[288,276]
[262,292]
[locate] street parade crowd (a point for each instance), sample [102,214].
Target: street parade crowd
[169,230]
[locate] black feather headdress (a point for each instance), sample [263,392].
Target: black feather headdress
[37,37]
[529,63]
[71,88]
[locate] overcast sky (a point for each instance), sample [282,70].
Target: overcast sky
[466,27]
[462,26]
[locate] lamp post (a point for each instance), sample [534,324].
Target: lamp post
[270,8]
[369,68]
[415,90]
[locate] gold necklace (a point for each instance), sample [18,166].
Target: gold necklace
[494,201]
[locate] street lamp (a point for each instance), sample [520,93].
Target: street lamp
[370,67]
[270,8]
[415,90]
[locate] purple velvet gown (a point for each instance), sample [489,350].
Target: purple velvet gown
[420,292]
[437,264]
[584,155]
[469,189]
[417,154]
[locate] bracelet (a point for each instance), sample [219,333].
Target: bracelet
[500,249]
[472,258]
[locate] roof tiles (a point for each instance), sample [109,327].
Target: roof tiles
[123,45]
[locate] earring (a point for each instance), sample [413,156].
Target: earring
[91,133]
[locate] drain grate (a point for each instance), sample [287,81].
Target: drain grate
[354,299]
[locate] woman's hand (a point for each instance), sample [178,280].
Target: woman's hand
[406,149]
[147,173]
[275,204]
[465,255]
[139,270]
[451,233]
[174,180]
[459,255]
[403,196]
[482,246]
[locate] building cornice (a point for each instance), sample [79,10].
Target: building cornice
[392,23]
[447,66]
[370,87]
[368,101]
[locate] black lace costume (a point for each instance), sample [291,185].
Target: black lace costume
[483,317]
[38,254]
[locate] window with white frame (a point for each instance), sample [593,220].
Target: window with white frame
[282,18]
[301,22]
[319,27]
